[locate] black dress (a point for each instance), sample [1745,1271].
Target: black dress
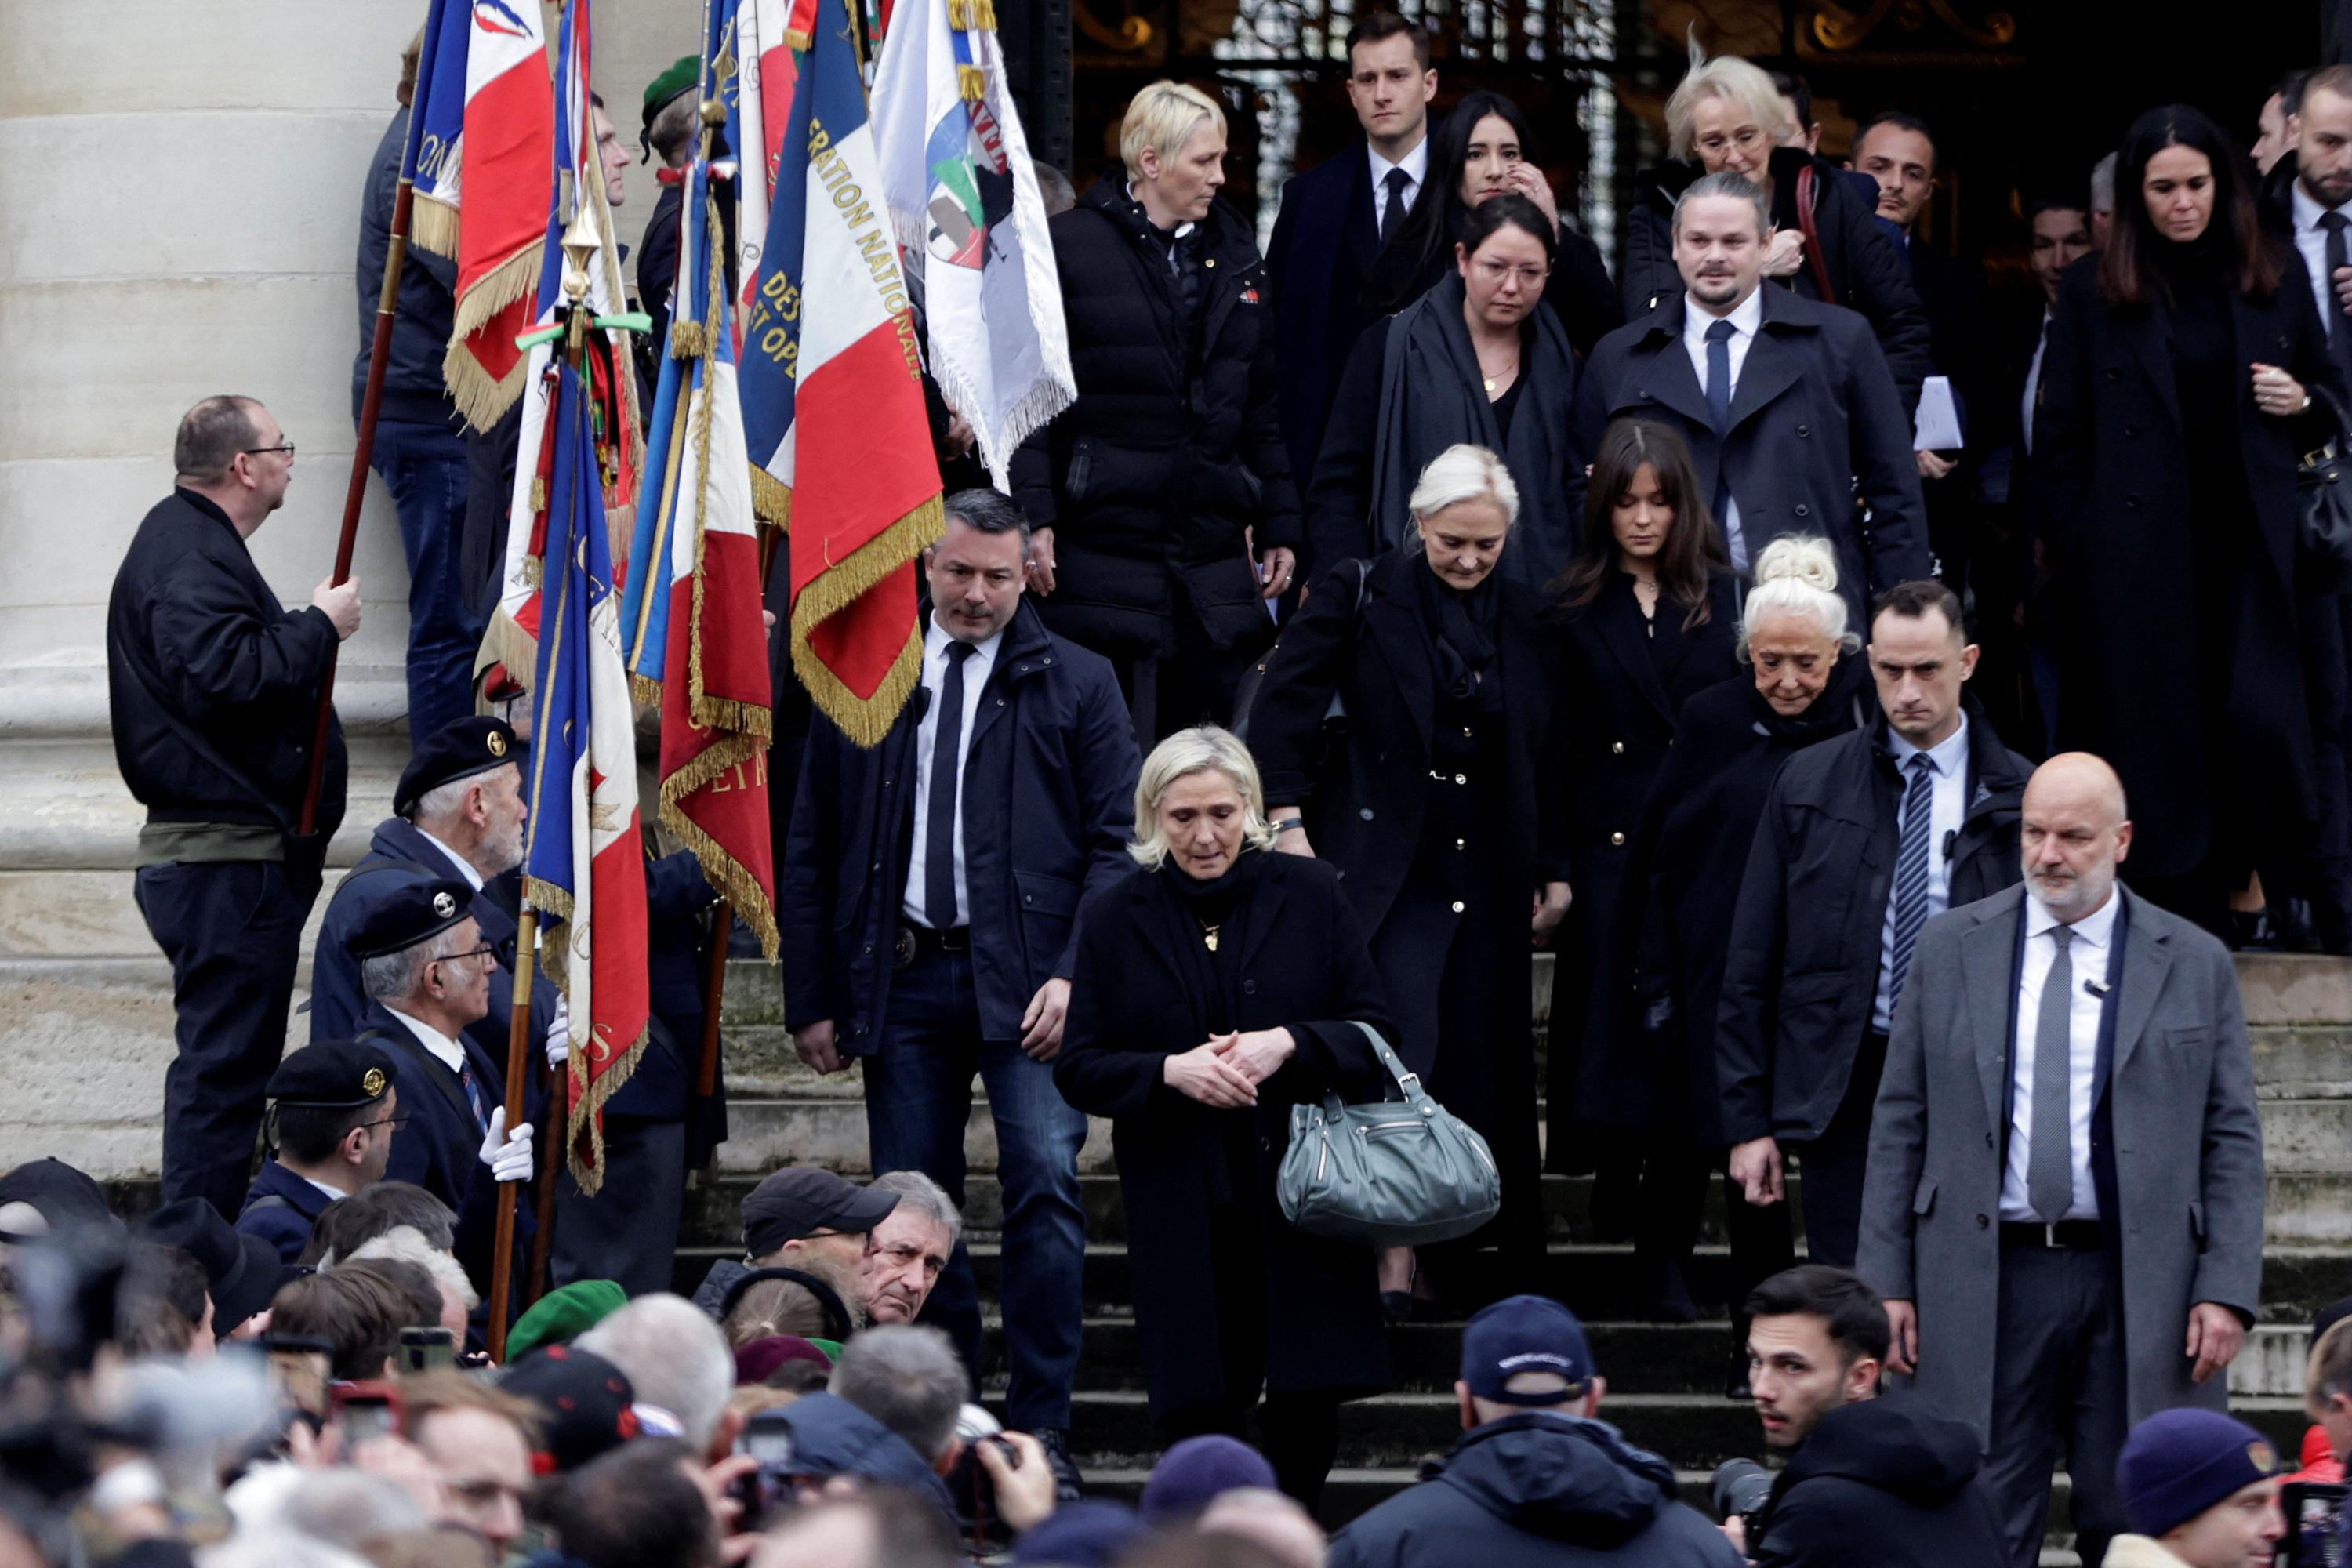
[1628,675]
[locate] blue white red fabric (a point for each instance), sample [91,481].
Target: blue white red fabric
[832,403]
[971,224]
[584,865]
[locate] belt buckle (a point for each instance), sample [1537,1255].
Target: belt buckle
[2050,1234]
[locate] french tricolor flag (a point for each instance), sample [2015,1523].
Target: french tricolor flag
[500,195]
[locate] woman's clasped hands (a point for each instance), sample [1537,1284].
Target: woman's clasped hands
[1224,1070]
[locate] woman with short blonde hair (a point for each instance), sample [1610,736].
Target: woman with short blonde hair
[1162,118]
[1216,986]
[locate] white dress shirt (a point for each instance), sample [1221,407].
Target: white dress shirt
[927,735]
[1746,318]
[2034,382]
[1415,165]
[2088,954]
[444,1049]
[1947,809]
[2311,242]
[465,867]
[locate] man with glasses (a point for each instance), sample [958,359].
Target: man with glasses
[212,691]
[337,1108]
[427,971]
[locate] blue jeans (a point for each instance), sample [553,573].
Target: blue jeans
[424,467]
[918,1099]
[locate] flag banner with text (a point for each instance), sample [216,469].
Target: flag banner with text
[502,199]
[832,402]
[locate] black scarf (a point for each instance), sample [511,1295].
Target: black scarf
[1222,901]
[1462,635]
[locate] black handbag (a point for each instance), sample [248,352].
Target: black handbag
[2323,505]
[1334,717]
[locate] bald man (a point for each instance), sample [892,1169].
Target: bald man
[2063,1207]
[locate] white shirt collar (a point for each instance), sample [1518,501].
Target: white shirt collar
[1949,756]
[2093,930]
[445,1051]
[936,639]
[465,867]
[1746,317]
[2307,210]
[1415,165]
[336,1193]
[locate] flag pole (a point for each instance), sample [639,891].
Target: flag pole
[517,1053]
[387,306]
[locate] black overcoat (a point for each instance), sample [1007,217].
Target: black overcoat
[1364,795]
[1325,237]
[1172,451]
[2111,489]
[1133,1004]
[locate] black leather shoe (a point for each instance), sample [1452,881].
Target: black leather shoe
[1069,1486]
[1396,1306]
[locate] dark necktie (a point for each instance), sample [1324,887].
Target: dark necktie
[2331,309]
[474,1099]
[1392,209]
[1718,414]
[2050,1160]
[1911,872]
[939,838]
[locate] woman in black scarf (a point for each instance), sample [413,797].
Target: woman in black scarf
[1428,803]
[1657,1075]
[2176,394]
[1480,360]
[1214,988]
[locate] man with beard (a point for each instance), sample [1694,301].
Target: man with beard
[2069,1077]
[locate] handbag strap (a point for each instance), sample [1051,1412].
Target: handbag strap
[1410,1082]
[1811,231]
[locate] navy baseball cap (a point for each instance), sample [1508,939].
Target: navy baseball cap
[1521,1335]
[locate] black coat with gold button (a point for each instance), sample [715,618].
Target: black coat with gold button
[1627,676]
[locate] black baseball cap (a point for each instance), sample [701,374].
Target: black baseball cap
[456,751]
[1521,1335]
[800,1200]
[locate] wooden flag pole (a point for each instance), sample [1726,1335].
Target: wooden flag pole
[518,1060]
[387,306]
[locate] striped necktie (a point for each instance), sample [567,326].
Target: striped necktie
[1911,871]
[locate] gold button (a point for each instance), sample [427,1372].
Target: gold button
[1462,844]
[1457,905]
[1617,748]
[1466,730]
[1462,778]
[1211,262]
[1618,839]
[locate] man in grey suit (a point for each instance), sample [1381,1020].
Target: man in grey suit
[2063,1208]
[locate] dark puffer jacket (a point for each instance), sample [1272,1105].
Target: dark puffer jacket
[1537,1490]
[1174,448]
[1882,1483]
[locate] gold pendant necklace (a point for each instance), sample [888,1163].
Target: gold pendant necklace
[1209,935]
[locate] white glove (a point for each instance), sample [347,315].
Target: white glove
[558,1036]
[509,1158]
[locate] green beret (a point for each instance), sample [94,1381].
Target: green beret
[564,1314]
[684,76]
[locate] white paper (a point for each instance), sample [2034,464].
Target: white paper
[1938,428]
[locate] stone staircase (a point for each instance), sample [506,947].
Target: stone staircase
[1665,1380]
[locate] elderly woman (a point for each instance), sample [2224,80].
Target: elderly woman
[1724,117]
[1151,490]
[1655,1072]
[1430,804]
[1215,987]
[1478,360]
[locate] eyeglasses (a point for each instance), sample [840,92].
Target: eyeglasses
[489,948]
[285,447]
[1495,273]
[387,1121]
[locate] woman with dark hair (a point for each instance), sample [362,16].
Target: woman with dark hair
[1478,361]
[1649,604]
[1483,150]
[1434,808]
[2177,396]
[1725,117]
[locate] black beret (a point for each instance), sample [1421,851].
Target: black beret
[242,1273]
[333,1074]
[417,911]
[454,752]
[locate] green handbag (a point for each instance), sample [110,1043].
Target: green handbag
[1398,1173]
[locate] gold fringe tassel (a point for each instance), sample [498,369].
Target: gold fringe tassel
[587,1114]
[433,225]
[971,83]
[772,499]
[847,579]
[862,719]
[506,643]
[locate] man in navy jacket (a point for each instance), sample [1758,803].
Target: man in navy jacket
[928,902]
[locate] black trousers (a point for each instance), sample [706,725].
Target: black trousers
[2058,1388]
[233,931]
[627,1232]
[1834,1163]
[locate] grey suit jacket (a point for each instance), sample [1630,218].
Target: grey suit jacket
[2188,1149]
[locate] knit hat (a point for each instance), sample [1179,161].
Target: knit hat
[2179,1463]
[1088,1534]
[585,1405]
[564,1314]
[756,1362]
[1196,1472]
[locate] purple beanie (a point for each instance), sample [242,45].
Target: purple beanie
[1199,1470]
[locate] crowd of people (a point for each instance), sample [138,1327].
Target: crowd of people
[1889,713]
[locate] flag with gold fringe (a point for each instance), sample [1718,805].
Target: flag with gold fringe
[437,126]
[833,403]
[501,198]
[692,628]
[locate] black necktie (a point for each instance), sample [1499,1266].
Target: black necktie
[939,837]
[1392,210]
[1718,414]
[2331,309]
